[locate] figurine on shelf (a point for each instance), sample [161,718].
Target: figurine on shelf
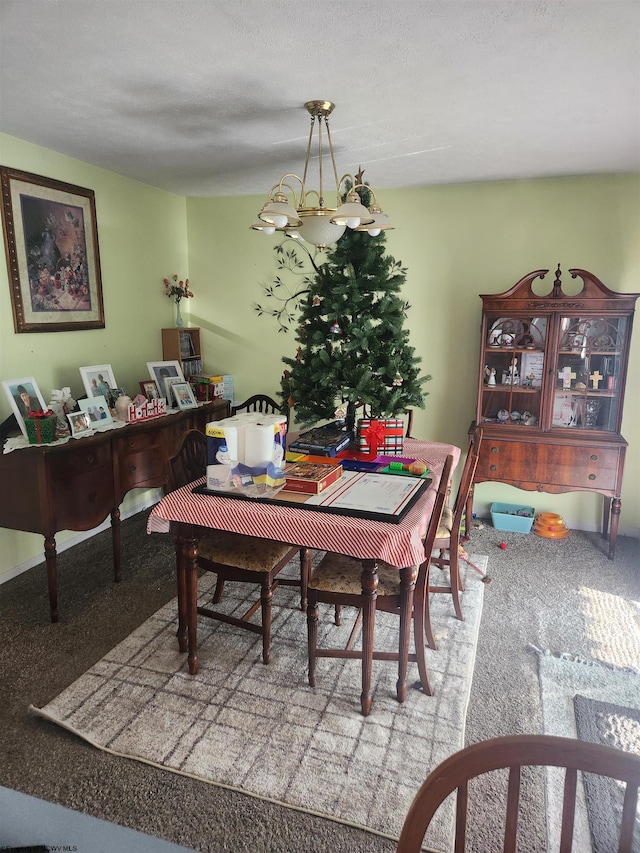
[490,374]
[514,376]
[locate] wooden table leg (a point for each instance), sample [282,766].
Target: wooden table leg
[407,586]
[50,556]
[115,539]
[188,566]
[182,597]
[369,581]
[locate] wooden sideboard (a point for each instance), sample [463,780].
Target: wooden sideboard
[75,486]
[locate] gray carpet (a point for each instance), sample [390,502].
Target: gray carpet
[611,725]
[536,597]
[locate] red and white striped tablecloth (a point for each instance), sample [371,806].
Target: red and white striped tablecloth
[397,544]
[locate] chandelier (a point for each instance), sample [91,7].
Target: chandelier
[300,212]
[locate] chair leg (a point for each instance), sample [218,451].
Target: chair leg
[454,577]
[312,638]
[266,596]
[305,572]
[407,586]
[217,595]
[422,627]
[338,614]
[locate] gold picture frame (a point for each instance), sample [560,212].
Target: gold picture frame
[51,244]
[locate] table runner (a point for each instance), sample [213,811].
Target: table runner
[397,544]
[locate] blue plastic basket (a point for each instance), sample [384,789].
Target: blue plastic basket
[512,517]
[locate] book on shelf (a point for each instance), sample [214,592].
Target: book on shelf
[310,477]
[327,440]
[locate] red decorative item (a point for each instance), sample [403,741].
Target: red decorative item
[387,437]
[41,426]
[503,545]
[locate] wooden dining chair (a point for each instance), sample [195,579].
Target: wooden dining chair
[235,557]
[448,541]
[258,403]
[514,753]
[337,581]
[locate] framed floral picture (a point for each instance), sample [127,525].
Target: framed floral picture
[24,397]
[51,240]
[99,381]
[160,371]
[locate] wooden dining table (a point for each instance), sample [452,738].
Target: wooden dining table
[188,515]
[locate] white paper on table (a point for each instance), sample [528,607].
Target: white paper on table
[369,492]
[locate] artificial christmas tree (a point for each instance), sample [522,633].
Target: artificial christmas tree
[353,350]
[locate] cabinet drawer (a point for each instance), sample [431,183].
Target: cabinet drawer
[85,500]
[549,464]
[141,459]
[80,460]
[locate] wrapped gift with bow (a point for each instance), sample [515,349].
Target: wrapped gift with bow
[41,426]
[383,436]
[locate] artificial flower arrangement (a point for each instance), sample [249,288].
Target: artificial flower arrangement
[177,289]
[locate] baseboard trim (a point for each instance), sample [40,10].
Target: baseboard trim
[81,536]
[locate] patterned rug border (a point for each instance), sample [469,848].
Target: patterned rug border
[474,592]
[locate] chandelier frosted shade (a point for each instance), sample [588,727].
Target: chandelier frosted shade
[319,230]
[279,212]
[289,210]
[352,213]
[380,222]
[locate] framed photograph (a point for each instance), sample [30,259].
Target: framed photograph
[149,389]
[169,382]
[183,395]
[99,381]
[98,411]
[160,371]
[51,240]
[80,423]
[24,397]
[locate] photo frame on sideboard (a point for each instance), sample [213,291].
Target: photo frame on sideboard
[51,240]
[80,424]
[99,381]
[98,411]
[24,396]
[160,371]
[183,395]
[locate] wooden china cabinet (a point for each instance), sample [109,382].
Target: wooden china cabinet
[551,389]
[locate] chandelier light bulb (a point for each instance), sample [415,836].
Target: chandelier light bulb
[352,221]
[269,229]
[373,232]
[279,220]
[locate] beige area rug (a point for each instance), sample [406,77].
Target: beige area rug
[570,684]
[262,730]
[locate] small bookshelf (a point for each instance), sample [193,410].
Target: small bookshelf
[183,345]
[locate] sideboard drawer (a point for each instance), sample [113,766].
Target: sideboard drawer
[140,459]
[549,464]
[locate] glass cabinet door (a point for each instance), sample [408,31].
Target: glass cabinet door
[588,373]
[514,353]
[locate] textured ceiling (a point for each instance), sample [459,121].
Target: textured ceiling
[206,98]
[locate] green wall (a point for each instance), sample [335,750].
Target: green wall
[456,242]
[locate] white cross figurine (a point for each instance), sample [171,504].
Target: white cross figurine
[566,374]
[595,377]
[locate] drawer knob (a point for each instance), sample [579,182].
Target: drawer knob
[91,459]
[493,467]
[92,497]
[592,476]
[132,468]
[494,449]
[593,457]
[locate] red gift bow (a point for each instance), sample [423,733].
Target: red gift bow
[39,413]
[375,436]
